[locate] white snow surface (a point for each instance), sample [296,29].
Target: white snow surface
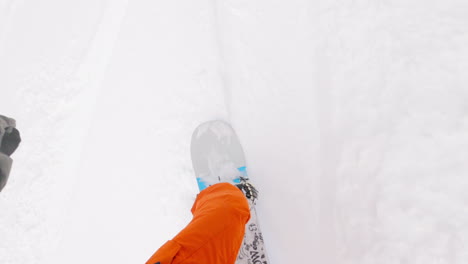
[353,116]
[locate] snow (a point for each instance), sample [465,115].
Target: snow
[352,114]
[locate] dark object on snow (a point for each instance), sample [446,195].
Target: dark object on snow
[9,141]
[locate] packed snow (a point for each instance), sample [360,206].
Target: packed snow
[353,116]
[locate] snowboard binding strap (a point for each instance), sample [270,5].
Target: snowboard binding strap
[248,189]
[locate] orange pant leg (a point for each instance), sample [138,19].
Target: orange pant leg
[215,233]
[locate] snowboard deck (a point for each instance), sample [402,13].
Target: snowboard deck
[217,156]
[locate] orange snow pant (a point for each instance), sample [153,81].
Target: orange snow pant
[214,235]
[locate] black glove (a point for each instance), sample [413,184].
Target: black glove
[10,141]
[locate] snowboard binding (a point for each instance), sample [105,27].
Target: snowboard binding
[248,189]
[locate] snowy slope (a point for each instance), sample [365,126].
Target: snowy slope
[353,116]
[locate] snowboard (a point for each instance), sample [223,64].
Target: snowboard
[217,156]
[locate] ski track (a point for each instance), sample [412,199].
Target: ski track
[352,115]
